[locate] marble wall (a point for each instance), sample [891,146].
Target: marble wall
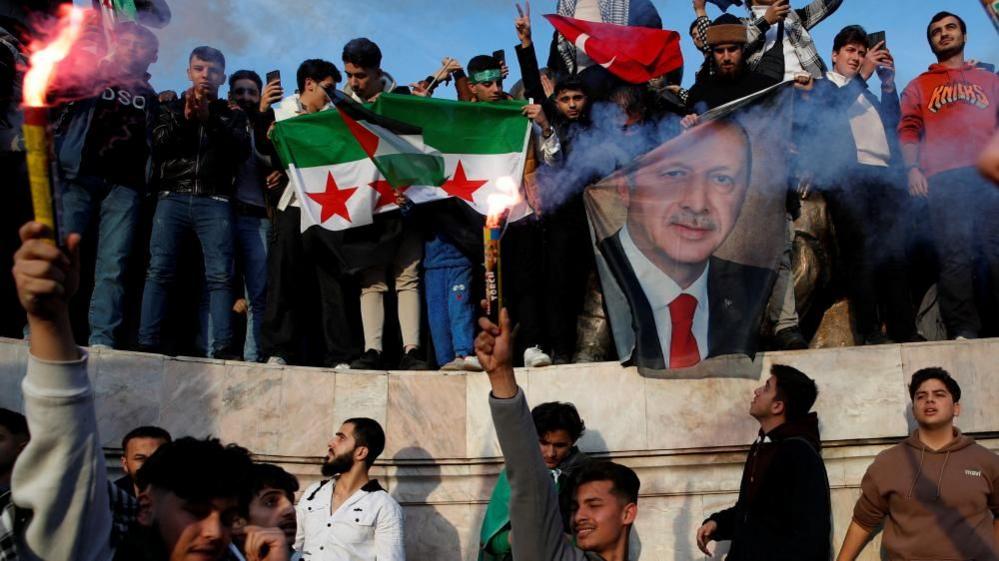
[686,438]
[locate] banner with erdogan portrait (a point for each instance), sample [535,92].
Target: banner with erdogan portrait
[689,237]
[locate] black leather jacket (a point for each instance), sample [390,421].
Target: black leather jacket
[200,158]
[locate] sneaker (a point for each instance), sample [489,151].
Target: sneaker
[790,339]
[341,366]
[101,347]
[472,364]
[534,357]
[370,360]
[412,361]
[276,360]
[455,365]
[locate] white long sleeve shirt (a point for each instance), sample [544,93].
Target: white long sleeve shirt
[60,477]
[368,526]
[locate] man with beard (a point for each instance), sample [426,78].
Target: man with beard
[948,118]
[732,79]
[271,505]
[784,511]
[190,489]
[726,37]
[350,516]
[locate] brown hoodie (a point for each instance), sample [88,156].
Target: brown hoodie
[940,504]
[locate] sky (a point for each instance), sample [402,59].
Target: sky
[414,36]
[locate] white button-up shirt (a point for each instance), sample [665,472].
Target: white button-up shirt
[660,290]
[366,527]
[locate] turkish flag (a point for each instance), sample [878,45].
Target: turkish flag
[634,54]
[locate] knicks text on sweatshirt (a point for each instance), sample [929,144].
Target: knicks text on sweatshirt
[951,113]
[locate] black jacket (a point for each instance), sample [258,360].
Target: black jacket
[200,158]
[715,90]
[784,511]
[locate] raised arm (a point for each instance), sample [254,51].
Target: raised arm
[60,478]
[813,14]
[534,509]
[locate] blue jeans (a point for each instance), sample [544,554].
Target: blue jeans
[118,209]
[212,221]
[251,245]
[450,312]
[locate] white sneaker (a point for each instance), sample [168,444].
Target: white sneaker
[342,366]
[277,360]
[472,364]
[101,347]
[456,365]
[536,358]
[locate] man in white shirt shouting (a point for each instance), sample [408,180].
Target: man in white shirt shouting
[350,516]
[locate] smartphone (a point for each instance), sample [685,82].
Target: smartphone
[875,38]
[500,56]
[273,76]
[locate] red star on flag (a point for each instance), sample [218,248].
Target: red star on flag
[460,186]
[333,201]
[386,194]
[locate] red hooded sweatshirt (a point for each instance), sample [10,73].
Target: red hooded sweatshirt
[951,113]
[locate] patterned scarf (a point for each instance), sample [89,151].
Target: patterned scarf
[611,11]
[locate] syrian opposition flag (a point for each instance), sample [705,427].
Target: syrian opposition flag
[347,165]
[634,54]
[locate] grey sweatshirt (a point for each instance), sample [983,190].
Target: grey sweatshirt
[60,477]
[534,515]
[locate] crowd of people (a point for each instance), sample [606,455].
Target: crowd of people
[193,232]
[221,192]
[936,493]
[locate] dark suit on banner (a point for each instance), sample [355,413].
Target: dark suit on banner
[737,296]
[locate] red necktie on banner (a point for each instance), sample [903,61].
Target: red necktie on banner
[683,351]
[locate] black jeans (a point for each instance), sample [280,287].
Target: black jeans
[963,213]
[870,218]
[547,266]
[304,281]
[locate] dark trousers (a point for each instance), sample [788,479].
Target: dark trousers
[870,219]
[963,214]
[546,270]
[304,278]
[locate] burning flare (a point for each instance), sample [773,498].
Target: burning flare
[46,56]
[499,204]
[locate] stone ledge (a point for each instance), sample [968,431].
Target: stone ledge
[685,436]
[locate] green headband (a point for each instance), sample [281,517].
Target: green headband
[490,75]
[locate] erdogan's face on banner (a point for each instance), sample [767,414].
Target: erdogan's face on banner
[686,197]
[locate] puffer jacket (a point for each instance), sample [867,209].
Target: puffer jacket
[200,158]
